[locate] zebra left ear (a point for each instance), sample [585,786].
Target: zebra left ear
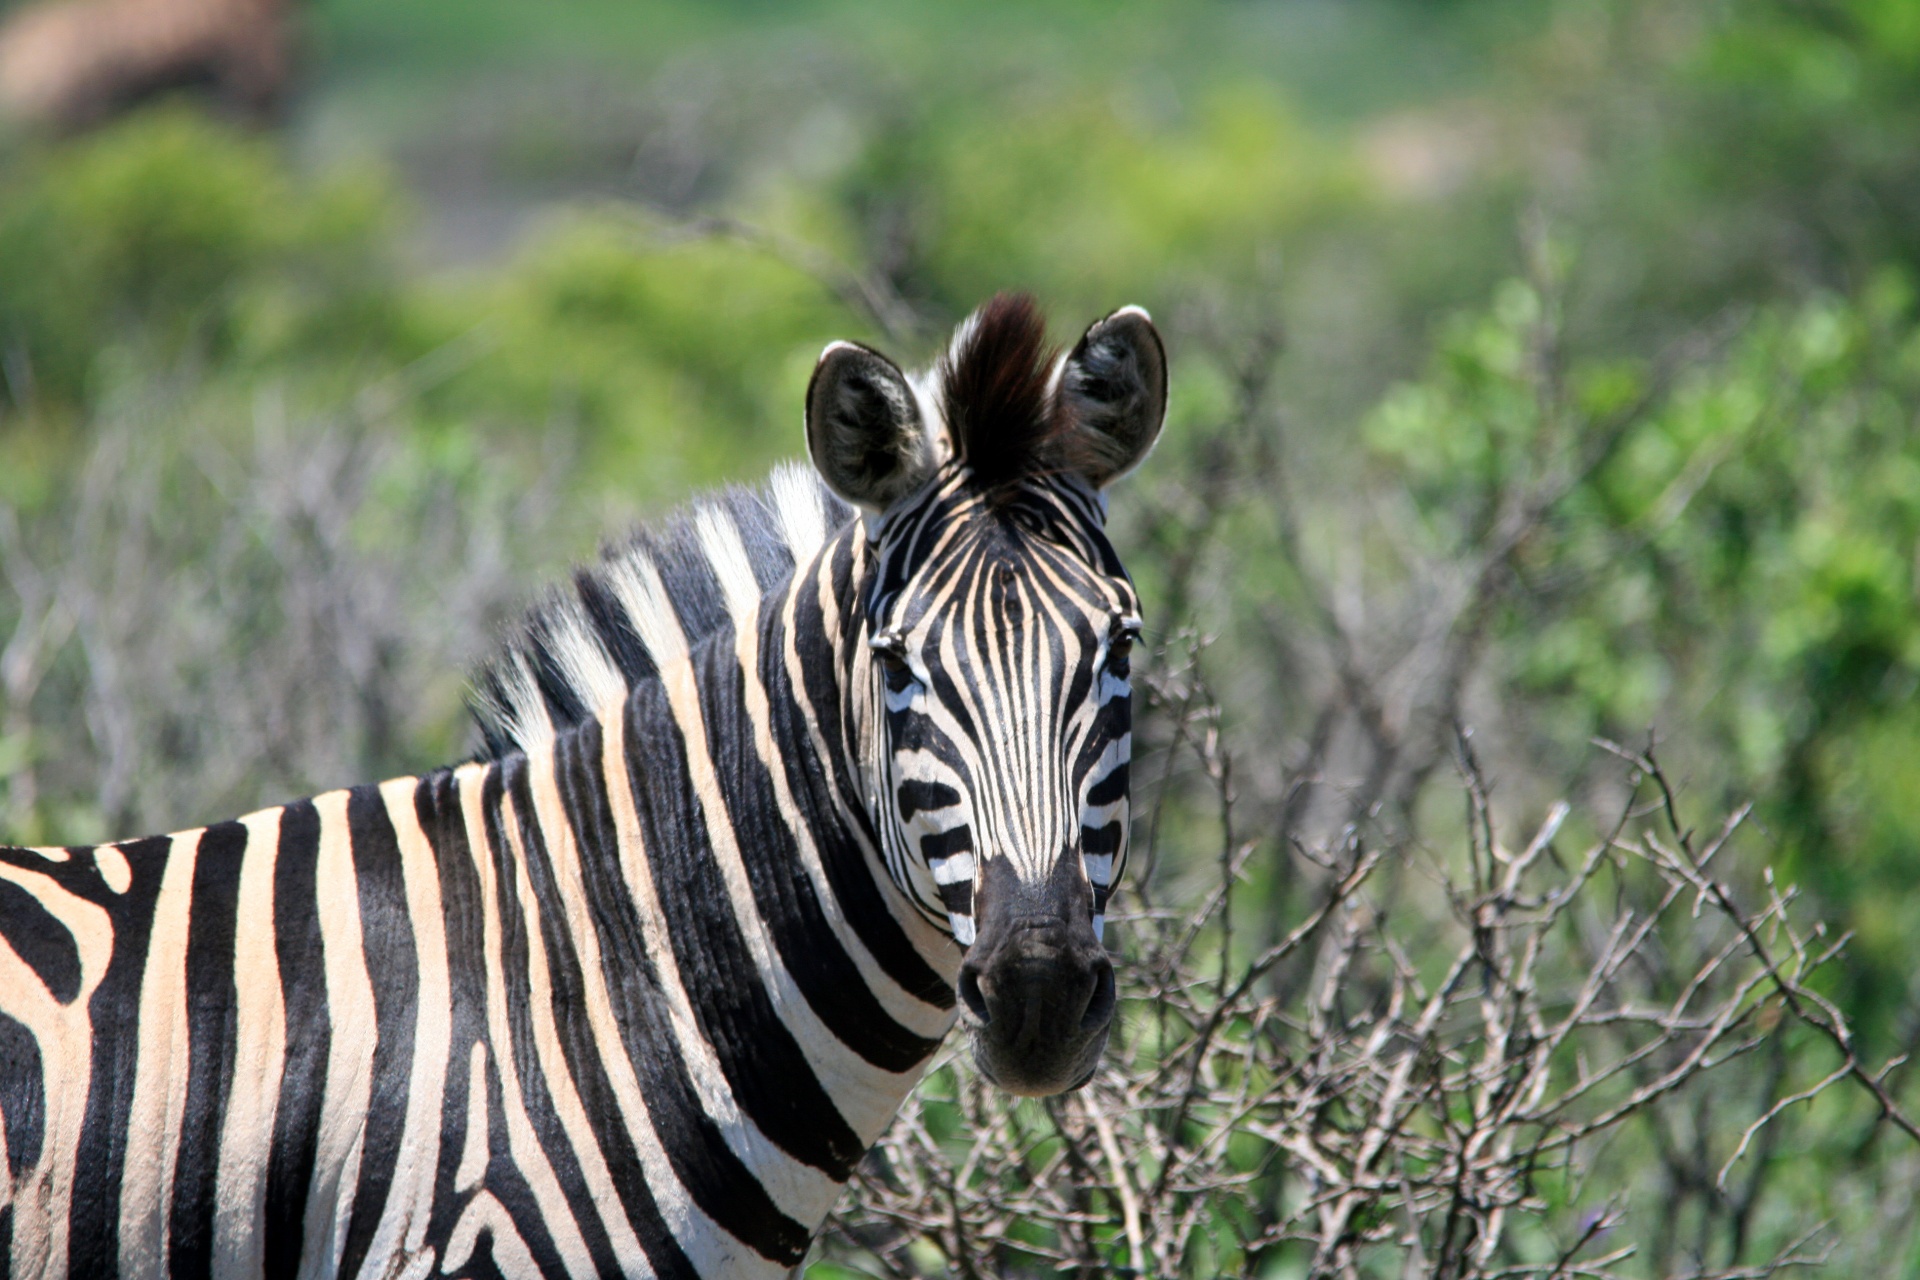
[1112,391]
[864,429]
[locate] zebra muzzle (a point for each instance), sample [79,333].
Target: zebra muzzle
[1037,985]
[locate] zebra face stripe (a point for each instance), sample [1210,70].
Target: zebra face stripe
[999,634]
[999,637]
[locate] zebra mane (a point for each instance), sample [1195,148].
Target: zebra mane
[658,591]
[999,396]
[994,391]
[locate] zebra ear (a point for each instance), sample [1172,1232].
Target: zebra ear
[1112,392]
[864,430]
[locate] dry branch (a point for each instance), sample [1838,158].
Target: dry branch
[1388,1093]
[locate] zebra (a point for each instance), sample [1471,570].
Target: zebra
[772,796]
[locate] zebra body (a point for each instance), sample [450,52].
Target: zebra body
[634,995]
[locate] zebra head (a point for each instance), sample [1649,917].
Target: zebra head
[996,635]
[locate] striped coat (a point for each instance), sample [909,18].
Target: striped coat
[632,995]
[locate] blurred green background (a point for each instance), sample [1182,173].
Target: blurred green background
[296,414]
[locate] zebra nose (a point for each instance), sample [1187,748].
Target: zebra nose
[1037,985]
[972,994]
[1100,1007]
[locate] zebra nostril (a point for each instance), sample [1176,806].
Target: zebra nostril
[972,996]
[1100,1007]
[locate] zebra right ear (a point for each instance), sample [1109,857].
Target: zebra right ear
[1113,390]
[864,429]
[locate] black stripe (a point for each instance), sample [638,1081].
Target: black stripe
[465,905]
[212,1025]
[393,970]
[1112,722]
[1109,789]
[93,1237]
[723,1186]
[813,777]
[614,628]
[575,1032]
[504,1180]
[482,1266]
[556,691]
[765,544]
[1101,839]
[437,802]
[1080,683]
[958,897]
[515,953]
[826,975]
[303,1082]
[949,687]
[915,795]
[1098,840]
[23,1095]
[944,844]
[769,1074]
[691,587]
[40,940]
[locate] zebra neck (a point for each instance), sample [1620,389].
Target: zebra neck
[693,1034]
[812,660]
[720,926]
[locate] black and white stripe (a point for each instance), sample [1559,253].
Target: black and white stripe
[632,995]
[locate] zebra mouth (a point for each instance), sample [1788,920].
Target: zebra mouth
[1037,987]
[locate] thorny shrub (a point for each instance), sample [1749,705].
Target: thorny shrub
[1381,1091]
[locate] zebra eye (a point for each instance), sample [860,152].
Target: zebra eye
[1120,644]
[890,650]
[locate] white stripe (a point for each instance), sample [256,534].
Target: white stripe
[636,584]
[561,1091]
[802,1192]
[584,663]
[727,556]
[797,509]
[402,1230]
[160,1071]
[259,1059]
[529,1157]
[509,1250]
[866,1095]
[957,869]
[522,709]
[353,1032]
[43,1195]
[113,868]
[475,1150]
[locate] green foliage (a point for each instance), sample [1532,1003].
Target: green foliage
[679,365]
[182,240]
[1084,197]
[1734,568]
[168,243]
